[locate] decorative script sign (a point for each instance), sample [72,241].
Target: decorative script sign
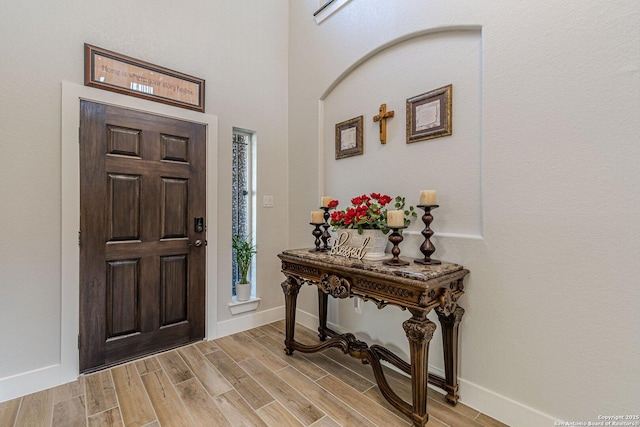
[340,247]
[118,73]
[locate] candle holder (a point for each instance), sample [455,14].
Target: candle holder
[396,238]
[317,233]
[325,235]
[427,247]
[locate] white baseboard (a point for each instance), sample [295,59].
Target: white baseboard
[32,381]
[249,321]
[477,397]
[501,407]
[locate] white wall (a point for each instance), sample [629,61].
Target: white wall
[238,47]
[550,330]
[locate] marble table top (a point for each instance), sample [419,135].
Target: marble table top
[413,271]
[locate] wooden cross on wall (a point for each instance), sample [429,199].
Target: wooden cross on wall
[382,117]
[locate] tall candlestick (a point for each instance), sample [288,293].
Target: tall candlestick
[325,201]
[317,217]
[428,197]
[395,219]
[427,247]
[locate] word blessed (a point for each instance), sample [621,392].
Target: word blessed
[340,247]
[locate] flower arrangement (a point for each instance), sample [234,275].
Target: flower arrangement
[369,212]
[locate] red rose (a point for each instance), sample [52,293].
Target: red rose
[333,204]
[384,199]
[356,201]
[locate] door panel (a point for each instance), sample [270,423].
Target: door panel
[123,203]
[122,297]
[142,283]
[173,289]
[174,208]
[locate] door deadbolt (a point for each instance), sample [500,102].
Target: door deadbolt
[198,224]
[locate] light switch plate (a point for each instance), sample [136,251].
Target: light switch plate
[267,201]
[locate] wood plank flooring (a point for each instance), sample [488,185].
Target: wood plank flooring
[239,380]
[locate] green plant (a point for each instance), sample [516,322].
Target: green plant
[244,252]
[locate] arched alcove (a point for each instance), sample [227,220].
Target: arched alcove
[392,73]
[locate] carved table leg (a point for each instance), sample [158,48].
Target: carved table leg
[419,332]
[322,314]
[290,287]
[450,324]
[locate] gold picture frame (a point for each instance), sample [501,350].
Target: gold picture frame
[429,115]
[349,138]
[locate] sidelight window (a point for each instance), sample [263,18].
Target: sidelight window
[243,197]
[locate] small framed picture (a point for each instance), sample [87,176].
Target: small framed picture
[429,115]
[349,140]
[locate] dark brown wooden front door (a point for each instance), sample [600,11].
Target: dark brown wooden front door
[142,258]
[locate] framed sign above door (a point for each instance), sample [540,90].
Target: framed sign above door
[118,73]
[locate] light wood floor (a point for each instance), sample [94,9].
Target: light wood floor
[239,380]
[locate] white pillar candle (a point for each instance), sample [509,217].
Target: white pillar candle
[428,197]
[317,217]
[395,218]
[325,201]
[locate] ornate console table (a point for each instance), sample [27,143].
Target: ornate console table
[416,288]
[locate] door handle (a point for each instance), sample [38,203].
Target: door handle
[197,243]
